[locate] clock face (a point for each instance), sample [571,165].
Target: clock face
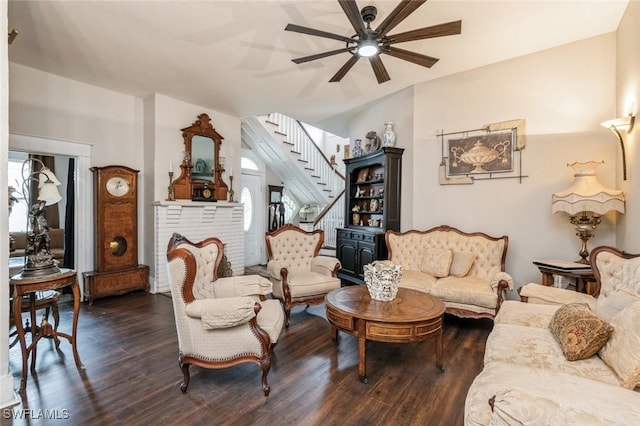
[206,193]
[118,186]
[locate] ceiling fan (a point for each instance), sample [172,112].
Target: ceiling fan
[370,43]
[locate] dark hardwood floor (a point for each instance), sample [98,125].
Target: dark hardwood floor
[129,348]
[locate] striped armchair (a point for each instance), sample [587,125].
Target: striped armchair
[220,322]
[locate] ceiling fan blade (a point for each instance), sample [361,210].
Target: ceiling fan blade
[397,15]
[321,55]
[416,58]
[378,69]
[350,9]
[441,30]
[317,33]
[345,69]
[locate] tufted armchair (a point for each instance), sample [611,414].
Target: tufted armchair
[221,322]
[298,274]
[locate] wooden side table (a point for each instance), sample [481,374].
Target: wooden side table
[582,273]
[29,286]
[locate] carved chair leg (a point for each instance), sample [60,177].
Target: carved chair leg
[287,315]
[265,364]
[185,374]
[56,319]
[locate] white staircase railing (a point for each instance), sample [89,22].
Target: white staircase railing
[313,160]
[331,219]
[309,154]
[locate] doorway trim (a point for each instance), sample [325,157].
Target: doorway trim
[259,217]
[84,213]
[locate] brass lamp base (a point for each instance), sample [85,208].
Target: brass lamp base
[585,226]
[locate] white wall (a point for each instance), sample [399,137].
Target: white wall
[140,133]
[47,105]
[563,102]
[59,109]
[628,97]
[171,115]
[397,108]
[164,119]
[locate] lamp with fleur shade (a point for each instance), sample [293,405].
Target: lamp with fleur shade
[586,200]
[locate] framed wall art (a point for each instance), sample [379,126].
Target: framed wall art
[490,152]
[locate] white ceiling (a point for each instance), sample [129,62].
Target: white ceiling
[235,57]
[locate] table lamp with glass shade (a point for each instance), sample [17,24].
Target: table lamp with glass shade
[585,201]
[38,258]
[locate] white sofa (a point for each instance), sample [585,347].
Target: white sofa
[527,376]
[464,270]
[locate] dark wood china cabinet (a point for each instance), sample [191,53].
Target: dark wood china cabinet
[372,206]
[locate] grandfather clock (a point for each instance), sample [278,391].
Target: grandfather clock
[116,234]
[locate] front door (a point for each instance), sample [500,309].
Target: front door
[252,195]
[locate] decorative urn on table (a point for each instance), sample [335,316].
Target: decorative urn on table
[382,280]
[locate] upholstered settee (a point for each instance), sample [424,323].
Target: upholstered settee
[464,270]
[56,246]
[573,362]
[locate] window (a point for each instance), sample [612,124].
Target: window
[247,163]
[20,212]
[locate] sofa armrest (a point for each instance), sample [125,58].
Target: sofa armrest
[325,265]
[501,280]
[538,293]
[516,406]
[223,313]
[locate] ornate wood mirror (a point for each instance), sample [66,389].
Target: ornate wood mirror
[200,172]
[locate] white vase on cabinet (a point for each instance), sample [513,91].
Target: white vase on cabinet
[389,135]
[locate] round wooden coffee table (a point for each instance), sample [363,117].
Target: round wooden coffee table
[411,317]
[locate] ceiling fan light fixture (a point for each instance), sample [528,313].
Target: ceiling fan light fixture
[368,48]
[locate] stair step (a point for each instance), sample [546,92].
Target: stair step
[322,183]
[288,143]
[302,161]
[277,132]
[296,152]
[309,168]
[314,176]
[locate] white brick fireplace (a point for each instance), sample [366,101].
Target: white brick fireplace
[196,221]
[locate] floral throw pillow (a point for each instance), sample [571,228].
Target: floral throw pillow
[579,331]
